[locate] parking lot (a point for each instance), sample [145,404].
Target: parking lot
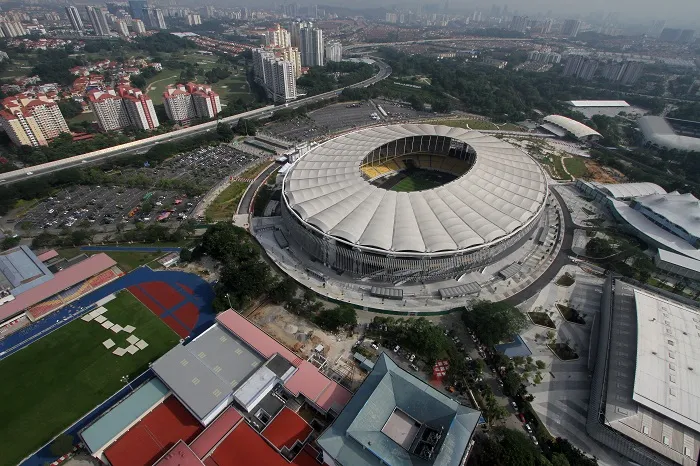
[343,116]
[168,192]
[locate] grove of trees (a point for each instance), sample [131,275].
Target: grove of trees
[494,322]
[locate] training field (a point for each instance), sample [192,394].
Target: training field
[56,380]
[419,180]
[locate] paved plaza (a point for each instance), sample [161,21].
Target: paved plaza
[561,400]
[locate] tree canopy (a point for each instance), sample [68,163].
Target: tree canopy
[336,318]
[494,322]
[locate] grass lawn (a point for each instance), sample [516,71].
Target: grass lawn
[254,171]
[420,180]
[224,206]
[235,86]
[88,116]
[576,167]
[128,261]
[157,84]
[56,380]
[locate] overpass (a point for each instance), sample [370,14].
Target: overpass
[143,145]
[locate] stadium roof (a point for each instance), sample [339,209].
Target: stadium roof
[579,130]
[101,432]
[599,103]
[680,209]
[645,226]
[667,375]
[207,370]
[657,131]
[380,423]
[60,281]
[629,190]
[503,191]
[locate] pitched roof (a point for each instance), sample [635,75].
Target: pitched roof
[359,435]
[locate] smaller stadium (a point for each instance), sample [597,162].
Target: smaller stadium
[32,287]
[55,381]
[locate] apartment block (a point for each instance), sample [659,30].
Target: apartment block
[184,102]
[32,120]
[276,74]
[123,108]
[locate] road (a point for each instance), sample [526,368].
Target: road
[560,261]
[144,145]
[245,205]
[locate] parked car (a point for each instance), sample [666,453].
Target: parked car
[375,346]
[534,440]
[414,367]
[396,349]
[412,358]
[528,428]
[514,405]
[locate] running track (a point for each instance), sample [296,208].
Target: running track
[189,315]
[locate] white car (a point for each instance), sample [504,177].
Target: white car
[397,348]
[375,346]
[412,358]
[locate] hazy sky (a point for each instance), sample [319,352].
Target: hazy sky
[686,12]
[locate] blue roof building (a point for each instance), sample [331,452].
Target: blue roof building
[395,418]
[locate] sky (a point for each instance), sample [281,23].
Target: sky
[675,12]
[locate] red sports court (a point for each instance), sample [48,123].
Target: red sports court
[153,435]
[168,303]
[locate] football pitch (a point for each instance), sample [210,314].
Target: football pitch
[56,380]
[420,180]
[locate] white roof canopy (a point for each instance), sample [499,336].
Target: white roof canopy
[503,191]
[579,130]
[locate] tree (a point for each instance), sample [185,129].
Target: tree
[506,447]
[494,322]
[518,361]
[225,132]
[70,108]
[336,318]
[511,383]
[61,445]
[599,248]
[541,365]
[246,127]
[559,459]
[9,242]
[138,81]
[283,290]
[493,409]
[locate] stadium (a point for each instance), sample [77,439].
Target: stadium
[411,202]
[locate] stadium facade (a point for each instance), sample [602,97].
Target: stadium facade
[336,205]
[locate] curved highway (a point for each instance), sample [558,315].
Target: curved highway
[144,144]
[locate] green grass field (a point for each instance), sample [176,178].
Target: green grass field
[576,167]
[224,206]
[420,180]
[57,379]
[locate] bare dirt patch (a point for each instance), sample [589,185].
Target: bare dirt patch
[602,174]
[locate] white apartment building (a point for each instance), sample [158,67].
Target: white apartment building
[276,74]
[98,20]
[278,37]
[138,26]
[183,102]
[122,27]
[32,120]
[123,108]
[109,110]
[193,19]
[76,21]
[334,51]
[311,47]
[12,29]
